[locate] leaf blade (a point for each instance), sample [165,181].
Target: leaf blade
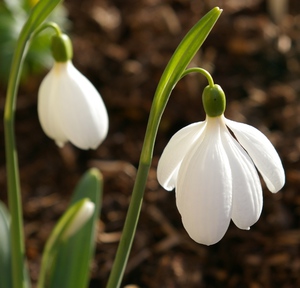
[74,257]
[5,248]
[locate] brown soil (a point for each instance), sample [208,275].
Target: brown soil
[123,48]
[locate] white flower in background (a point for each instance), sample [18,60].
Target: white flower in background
[69,106]
[214,173]
[71,109]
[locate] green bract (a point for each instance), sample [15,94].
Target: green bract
[214,100]
[61,48]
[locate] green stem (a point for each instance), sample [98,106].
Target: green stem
[129,227]
[172,74]
[46,25]
[13,185]
[19,273]
[201,71]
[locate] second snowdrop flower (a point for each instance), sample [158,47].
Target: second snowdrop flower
[214,173]
[69,106]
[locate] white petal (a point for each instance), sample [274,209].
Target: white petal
[174,152]
[81,111]
[247,198]
[204,187]
[262,153]
[47,104]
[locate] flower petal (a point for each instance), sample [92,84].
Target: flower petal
[262,153]
[47,105]
[247,198]
[204,187]
[81,110]
[174,152]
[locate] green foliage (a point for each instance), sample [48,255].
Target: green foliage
[67,263]
[13,15]
[5,248]
[176,67]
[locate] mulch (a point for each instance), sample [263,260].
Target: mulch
[123,47]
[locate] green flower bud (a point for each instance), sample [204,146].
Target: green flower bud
[61,48]
[214,100]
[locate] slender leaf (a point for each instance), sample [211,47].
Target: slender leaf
[182,56]
[5,248]
[74,256]
[58,236]
[20,275]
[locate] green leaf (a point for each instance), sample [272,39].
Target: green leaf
[185,52]
[5,248]
[39,13]
[72,264]
[57,237]
[183,55]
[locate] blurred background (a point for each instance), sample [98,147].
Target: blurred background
[123,46]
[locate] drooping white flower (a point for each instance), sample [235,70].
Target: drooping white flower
[214,174]
[69,106]
[71,109]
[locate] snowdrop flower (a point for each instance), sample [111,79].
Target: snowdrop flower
[214,174]
[69,106]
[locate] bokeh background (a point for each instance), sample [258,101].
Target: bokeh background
[123,46]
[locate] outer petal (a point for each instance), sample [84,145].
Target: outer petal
[174,152]
[247,198]
[81,110]
[48,94]
[262,153]
[204,187]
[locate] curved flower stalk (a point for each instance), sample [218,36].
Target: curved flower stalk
[181,58]
[69,106]
[214,173]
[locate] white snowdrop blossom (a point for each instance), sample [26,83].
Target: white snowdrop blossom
[214,175]
[71,109]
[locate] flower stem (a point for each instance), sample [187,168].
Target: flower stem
[19,271]
[201,71]
[13,185]
[171,75]
[129,226]
[46,25]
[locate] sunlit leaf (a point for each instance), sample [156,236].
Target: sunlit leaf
[71,265]
[5,248]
